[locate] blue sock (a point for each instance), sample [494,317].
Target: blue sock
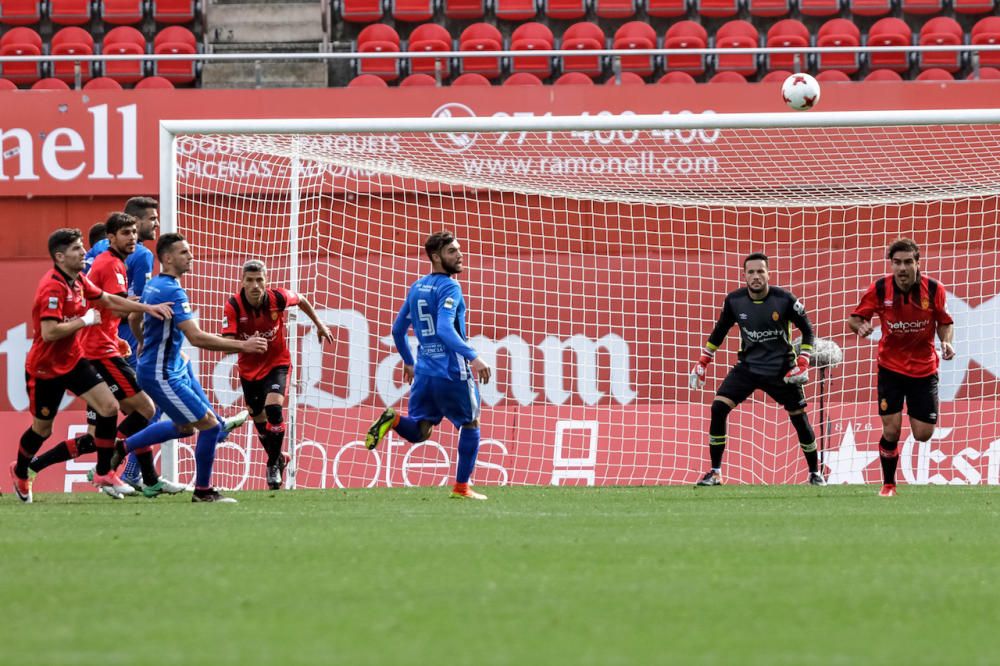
[204,456]
[409,429]
[131,467]
[468,449]
[155,433]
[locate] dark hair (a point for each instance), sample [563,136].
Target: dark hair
[96,233]
[253,266]
[137,206]
[60,239]
[755,256]
[118,221]
[165,242]
[903,245]
[438,240]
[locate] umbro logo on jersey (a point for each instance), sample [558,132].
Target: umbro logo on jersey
[743,316]
[887,302]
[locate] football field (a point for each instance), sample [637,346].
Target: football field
[734,575]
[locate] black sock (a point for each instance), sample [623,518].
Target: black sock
[266,440]
[276,428]
[31,441]
[63,451]
[812,459]
[104,437]
[149,475]
[889,457]
[717,432]
[132,424]
[715,452]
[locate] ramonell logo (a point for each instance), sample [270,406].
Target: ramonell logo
[455,142]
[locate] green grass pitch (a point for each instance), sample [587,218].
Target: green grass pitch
[729,575]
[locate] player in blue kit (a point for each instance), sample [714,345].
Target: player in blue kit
[446,369]
[98,240]
[164,372]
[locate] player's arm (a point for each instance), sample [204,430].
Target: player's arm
[860,321]
[445,323]
[135,324]
[322,330]
[124,305]
[946,333]
[210,342]
[715,340]
[400,327]
[53,330]
[800,373]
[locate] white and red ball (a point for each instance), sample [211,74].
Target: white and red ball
[800,92]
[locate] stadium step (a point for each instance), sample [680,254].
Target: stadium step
[248,23]
[265,74]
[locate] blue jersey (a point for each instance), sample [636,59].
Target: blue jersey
[436,310]
[99,246]
[138,269]
[162,338]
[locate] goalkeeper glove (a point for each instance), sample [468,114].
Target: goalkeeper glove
[800,373]
[697,379]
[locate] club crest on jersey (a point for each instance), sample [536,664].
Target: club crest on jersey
[884,405]
[46,411]
[775,316]
[449,303]
[53,302]
[799,307]
[274,316]
[925,304]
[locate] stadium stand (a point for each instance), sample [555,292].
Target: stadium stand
[565,10]
[6,84]
[369,11]
[522,79]
[173,11]
[573,78]
[832,76]
[728,77]
[175,39]
[471,79]
[883,75]
[676,77]
[838,32]
[776,76]
[20,12]
[717,8]
[769,8]
[626,79]
[737,34]
[367,81]
[583,36]
[941,31]
[70,12]
[464,10]
[154,83]
[666,8]
[72,40]
[50,84]
[123,40]
[418,80]
[102,83]
[636,35]
[527,37]
[430,37]
[686,35]
[379,38]
[935,74]
[21,41]
[122,12]
[786,33]
[481,37]
[614,9]
[515,10]
[890,31]
[987,31]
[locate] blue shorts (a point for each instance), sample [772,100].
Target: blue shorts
[180,398]
[435,398]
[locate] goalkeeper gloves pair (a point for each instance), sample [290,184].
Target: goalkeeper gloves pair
[798,375]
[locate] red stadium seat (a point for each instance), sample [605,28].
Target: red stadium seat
[984,74]
[522,79]
[430,37]
[614,9]
[50,84]
[973,6]
[986,31]
[378,38]
[367,81]
[769,8]
[941,31]
[154,83]
[10,85]
[728,77]
[565,10]
[636,35]
[122,12]
[838,32]
[464,10]
[532,37]
[685,35]
[69,12]
[584,36]
[481,37]
[471,79]
[935,74]
[717,8]
[123,40]
[573,78]
[366,11]
[890,31]
[176,40]
[787,33]
[922,6]
[870,7]
[832,76]
[72,41]
[883,75]
[419,80]
[626,79]
[21,41]
[413,11]
[515,10]
[173,11]
[776,76]
[819,7]
[676,77]
[20,12]
[666,8]
[737,34]
[102,83]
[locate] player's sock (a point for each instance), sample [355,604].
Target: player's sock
[807,440]
[266,441]
[132,466]
[408,429]
[468,449]
[155,433]
[144,460]
[888,453]
[104,438]
[204,456]
[63,451]
[717,432]
[31,441]
[132,424]
[276,428]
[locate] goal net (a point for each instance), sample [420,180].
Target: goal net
[597,254]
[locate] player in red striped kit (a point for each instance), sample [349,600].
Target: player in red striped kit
[259,310]
[912,310]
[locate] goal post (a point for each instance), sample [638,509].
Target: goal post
[597,254]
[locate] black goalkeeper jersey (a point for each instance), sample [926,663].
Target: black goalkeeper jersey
[765,329]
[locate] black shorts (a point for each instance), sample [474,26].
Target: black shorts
[118,375]
[919,393]
[740,383]
[255,390]
[44,395]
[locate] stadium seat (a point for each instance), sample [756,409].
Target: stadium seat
[173,11]
[175,39]
[676,77]
[124,40]
[666,8]
[72,41]
[614,9]
[430,37]
[584,36]
[6,84]
[737,34]
[420,80]
[573,78]
[626,79]
[941,31]
[728,77]
[984,74]
[471,79]
[685,35]
[636,35]
[367,11]
[819,7]
[922,6]
[102,83]
[50,84]
[717,8]
[367,81]
[413,11]
[776,76]
[832,76]
[565,10]
[935,74]
[986,31]
[122,12]
[20,12]
[973,6]
[528,37]
[154,83]
[787,33]
[378,38]
[870,7]
[769,8]
[883,75]
[481,37]
[69,12]
[838,32]
[890,31]
[515,10]
[522,79]
[21,41]
[464,10]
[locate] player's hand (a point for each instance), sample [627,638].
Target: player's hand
[124,350]
[947,351]
[482,370]
[160,310]
[254,345]
[324,334]
[800,373]
[91,317]
[697,379]
[865,329]
[408,374]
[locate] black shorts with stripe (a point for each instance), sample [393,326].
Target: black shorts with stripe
[255,390]
[740,384]
[118,375]
[919,393]
[45,395]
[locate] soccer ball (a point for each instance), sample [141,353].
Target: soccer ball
[800,91]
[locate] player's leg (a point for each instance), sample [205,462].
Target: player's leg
[793,398]
[418,425]
[922,407]
[209,431]
[891,394]
[738,385]
[227,425]
[459,402]
[103,402]
[44,396]
[274,403]
[135,405]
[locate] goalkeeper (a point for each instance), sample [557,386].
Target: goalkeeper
[767,361]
